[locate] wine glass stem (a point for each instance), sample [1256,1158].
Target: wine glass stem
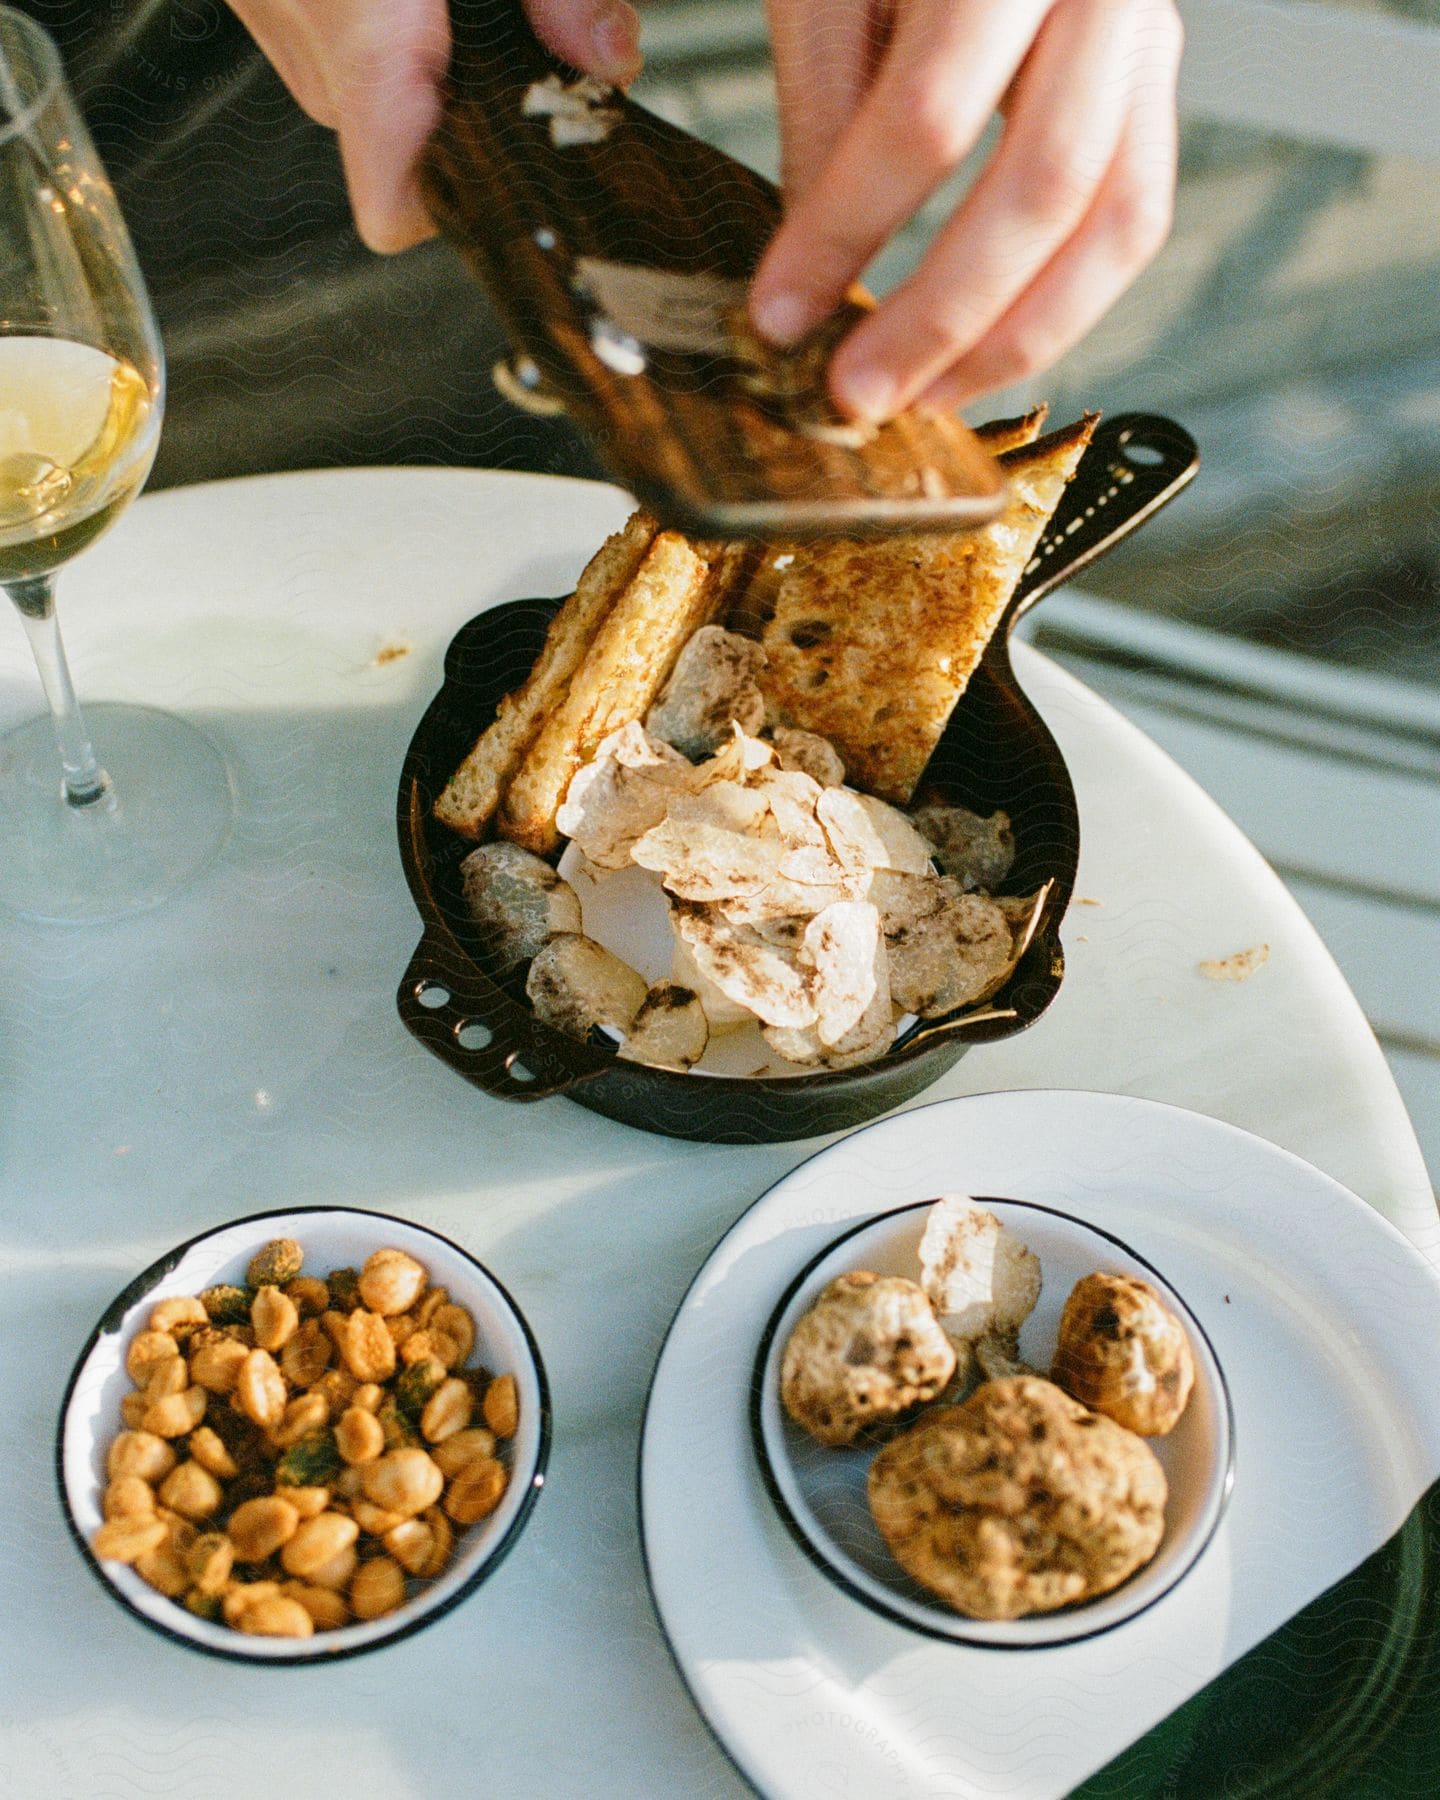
[83,778]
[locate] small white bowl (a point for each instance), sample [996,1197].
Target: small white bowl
[820,1492]
[332,1238]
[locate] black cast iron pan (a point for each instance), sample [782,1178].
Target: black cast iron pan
[996,752]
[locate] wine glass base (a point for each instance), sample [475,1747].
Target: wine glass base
[169,809]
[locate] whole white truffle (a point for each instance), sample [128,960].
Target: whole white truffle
[868,1350]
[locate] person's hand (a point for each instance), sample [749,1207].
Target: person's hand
[881,100]
[371,71]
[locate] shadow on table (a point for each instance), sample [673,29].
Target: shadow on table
[240,1050]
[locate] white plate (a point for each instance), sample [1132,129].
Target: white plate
[1327,1323]
[821,1491]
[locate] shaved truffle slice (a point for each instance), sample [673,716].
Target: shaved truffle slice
[980,1278]
[947,948]
[844,947]
[807,753]
[748,971]
[976,851]
[866,1352]
[721,1013]
[711,689]
[865,833]
[616,798]
[670,1029]
[576,985]
[1123,1352]
[517,900]
[1019,1501]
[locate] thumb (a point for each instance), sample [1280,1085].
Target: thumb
[599,37]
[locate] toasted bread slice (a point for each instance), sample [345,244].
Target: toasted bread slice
[871,644]
[473,792]
[678,586]
[1000,435]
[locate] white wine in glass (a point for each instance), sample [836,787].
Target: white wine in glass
[82,385]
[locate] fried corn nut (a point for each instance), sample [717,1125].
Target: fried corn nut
[368,1396]
[367,1347]
[476,1491]
[216,1365]
[128,1539]
[502,1406]
[164,1569]
[403,1481]
[349,1483]
[147,1350]
[181,1311]
[359,1436]
[378,1587]
[260,1527]
[177,1414]
[241,1595]
[140,1453]
[191,1491]
[316,1543]
[447,1411]
[274,1318]
[211,1454]
[335,1574]
[400,1326]
[327,1609]
[260,1389]
[306,1413]
[416,1547]
[336,1387]
[442,1537]
[277,1616]
[311,1296]
[208,1562]
[306,1356]
[167,1378]
[430,1300]
[464,1447]
[391,1282]
[308,1501]
[129,1498]
[455,1323]
[374,1519]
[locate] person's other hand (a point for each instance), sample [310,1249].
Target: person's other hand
[371,71]
[881,100]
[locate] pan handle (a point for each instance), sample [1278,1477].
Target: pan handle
[1135,464]
[481,1033]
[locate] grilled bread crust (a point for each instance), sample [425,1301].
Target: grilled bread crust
[872,643]
[474,791]
[677,587]
[1000,435]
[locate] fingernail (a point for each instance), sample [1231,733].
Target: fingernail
[866,393]
[615,33]
[783,318]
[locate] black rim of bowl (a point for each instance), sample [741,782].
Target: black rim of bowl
[958,1635]
[112,1319]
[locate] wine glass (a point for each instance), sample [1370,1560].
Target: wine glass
[82,383]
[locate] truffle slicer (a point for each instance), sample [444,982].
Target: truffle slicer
[617,249]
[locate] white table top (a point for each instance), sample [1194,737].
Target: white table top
[240,1049]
